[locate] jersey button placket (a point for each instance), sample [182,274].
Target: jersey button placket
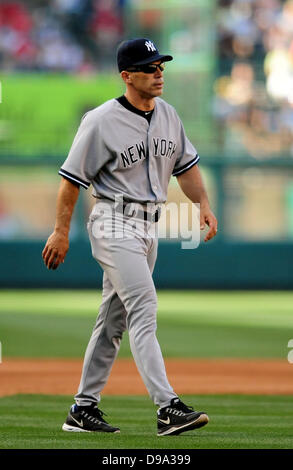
[152,169]
[151,165]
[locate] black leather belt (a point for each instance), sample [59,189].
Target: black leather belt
[141,214]
[144,215]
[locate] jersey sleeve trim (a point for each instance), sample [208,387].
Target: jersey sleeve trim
[186,167]
[73,178]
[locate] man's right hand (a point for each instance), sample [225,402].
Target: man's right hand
[55,250]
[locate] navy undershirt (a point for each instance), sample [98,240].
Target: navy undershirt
[146,114]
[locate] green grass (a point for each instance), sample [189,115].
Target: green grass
[190,324]
[57,323]
[236,422]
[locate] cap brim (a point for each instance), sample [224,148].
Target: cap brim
[163,58]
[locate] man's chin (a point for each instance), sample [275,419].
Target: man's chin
[153,93]
[158,92]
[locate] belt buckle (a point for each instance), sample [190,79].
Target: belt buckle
[128,210]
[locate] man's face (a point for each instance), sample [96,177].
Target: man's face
[148,85]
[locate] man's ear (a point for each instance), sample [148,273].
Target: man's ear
[126,76]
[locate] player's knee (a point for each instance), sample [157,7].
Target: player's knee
[144,302]
[143,316]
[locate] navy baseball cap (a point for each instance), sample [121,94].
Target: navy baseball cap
[139,51]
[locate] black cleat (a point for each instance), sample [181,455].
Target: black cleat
[87,419]
[177,418]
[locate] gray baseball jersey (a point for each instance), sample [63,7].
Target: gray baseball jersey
[119,152]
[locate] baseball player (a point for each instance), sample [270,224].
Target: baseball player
[127,149]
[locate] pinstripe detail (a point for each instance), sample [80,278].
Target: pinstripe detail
[186,167]
[74,178]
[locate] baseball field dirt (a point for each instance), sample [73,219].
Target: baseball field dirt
[188,376]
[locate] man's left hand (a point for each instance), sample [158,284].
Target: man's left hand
[207,218]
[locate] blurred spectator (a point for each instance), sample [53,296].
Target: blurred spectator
[15,28]
[106,27]
[59,35]
[253,103]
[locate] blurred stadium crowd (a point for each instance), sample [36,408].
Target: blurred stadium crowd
[253,101]
[253,90]
[59,35]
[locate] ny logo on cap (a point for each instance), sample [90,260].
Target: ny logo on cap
[150,45]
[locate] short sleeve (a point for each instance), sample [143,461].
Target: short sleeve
[188,156]
[87,154]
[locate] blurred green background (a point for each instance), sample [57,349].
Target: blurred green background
[57,60]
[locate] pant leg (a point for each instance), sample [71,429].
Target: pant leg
[144,344]
[127,263]
[103,346]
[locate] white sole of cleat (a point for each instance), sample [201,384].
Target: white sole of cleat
[68,428]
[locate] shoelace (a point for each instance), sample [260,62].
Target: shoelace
[175,412]
[95,415]
[185,408]
[180,406]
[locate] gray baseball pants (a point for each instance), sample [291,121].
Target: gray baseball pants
[129,301]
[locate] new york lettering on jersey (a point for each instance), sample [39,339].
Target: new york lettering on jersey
[160,148]
[163,147]
[119,152]
[133,154]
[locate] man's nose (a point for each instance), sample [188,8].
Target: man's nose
[158,72]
